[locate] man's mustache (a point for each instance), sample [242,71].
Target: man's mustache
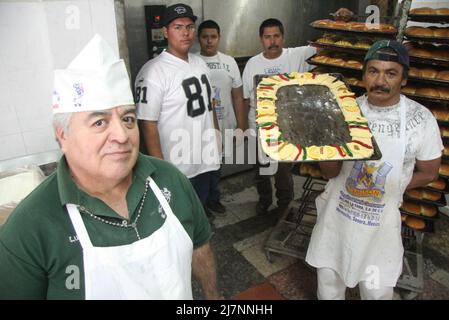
[380,88]
[273,47]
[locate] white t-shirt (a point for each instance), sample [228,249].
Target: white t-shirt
[291,59]
[423,135]
[225,76]
[177,94]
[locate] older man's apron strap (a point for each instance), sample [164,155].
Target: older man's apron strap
[156,267]
[358,229]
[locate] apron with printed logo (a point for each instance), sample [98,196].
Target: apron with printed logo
[157,267]
[358,228]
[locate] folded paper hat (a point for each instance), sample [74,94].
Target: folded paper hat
[95,80]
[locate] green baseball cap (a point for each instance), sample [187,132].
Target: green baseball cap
[376,52]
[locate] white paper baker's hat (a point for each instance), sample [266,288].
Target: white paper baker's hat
[95,80]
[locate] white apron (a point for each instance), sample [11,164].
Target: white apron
[358,229]
[157,267]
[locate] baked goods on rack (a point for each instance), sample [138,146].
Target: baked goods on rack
[306,169]
[354,26]
[419,209]
[415,223]
[430,32]
[277,147]
[430,11]
[444,169]
[421,194]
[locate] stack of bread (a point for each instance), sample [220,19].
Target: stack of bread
[354,26]
[419,209]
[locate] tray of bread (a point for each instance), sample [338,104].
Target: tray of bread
[428,34]
[439,185]
[434,94]
[419,210]
[442,116]
[351,44]
[305,117]
[356,27]
[429,75]
[428,53]
[426,196]
[339,60]
[417,224]
[426,14]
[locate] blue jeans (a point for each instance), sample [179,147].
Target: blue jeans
[214,191]
[201,183]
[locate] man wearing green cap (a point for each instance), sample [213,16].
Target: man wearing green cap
[110,223]
[357,238]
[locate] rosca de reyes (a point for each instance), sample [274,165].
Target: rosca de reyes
[277,147]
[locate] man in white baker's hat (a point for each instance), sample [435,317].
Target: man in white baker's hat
[110,223]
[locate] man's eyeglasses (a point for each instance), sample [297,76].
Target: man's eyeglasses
[180,27]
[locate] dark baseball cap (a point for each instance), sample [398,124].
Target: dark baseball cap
[176,11]
[376,52]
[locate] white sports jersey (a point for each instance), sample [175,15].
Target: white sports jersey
[177,94]
[291,59]
[225,76]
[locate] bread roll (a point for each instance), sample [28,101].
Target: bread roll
[442,11]
[431,195]
[414,193]
[354,64]
[415,223]
[322,23]
[385,27]
[444,169]
[419,32]
[414,72]
[336,61]
[420,52]
[443,92]
[444,132]
[411,207]
[428,210]
[422,10]
[440,114]
[429,73]
[320,59]
[440,32]
[363,43]
[359,26]
[439,184]
[428,92]
[443,75]
[409,90]
[339,25]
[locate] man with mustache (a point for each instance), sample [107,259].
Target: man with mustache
[173,93]
[274,59]
[357,237]
[110,223]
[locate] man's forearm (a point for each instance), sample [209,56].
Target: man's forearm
[152,139]
[421,179]
[240,109]
[203,268]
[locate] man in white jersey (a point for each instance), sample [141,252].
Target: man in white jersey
[274,59]
[227,96]
[357,238]
[173,96]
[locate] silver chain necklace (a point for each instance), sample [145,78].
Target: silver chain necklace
[124,223]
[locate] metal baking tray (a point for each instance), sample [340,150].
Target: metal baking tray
[430,61]
[428,39]
[358,32]
[306,132]
[443,191]
[420,216]
[440,203]
[431,18]
[311,62]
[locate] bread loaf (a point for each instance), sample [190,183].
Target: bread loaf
[414,72]
[354,64]
[440,114]
[409,90]
[428,92]
[444,169]
[440,32]
[414,193]
[428,210]
[415,223]
[439,184]
[431,195]
[443,75]
[442,11]
[411,207]
[443,92]
[422,10]
[428,73]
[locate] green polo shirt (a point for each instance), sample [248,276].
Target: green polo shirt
[40,255]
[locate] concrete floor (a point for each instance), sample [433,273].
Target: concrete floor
[244,271]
